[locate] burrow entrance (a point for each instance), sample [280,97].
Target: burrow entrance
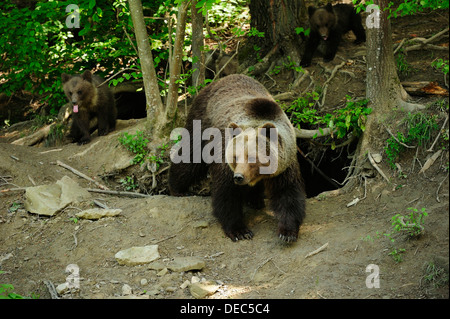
[322,168]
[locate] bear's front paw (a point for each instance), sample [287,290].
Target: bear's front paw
[287,235]
[240,234]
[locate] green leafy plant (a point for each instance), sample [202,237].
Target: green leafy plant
[396,254]
[129,183]
[435,275]
[351,118]
[403,67]
[411,224]
[159,158]
[135,143]
[420,127]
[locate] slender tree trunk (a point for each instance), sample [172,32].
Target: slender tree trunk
[175,63]
[155,107]
[198,77]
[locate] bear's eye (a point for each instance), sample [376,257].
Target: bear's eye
[70,93]
[79,92]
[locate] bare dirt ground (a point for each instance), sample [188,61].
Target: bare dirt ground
[34,249]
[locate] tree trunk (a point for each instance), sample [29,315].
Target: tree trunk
[383,87]
[155,108]
[175,63]
[198,65]
[278,20]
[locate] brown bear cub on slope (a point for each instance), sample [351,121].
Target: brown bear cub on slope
[254,133]
[89,101]
[328,24]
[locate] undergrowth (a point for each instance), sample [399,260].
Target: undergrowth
[419,131]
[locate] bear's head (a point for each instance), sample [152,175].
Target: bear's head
[252,154]
[80,90]
[322,20]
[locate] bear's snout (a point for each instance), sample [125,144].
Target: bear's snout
[238,178]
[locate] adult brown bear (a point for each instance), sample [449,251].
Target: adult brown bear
[258,157]
[89,101]
[328,24]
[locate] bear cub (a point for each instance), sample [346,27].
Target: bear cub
[89,101]
[328,24]
[258,159]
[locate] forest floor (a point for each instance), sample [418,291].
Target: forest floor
[34,249]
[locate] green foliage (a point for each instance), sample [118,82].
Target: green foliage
[410,7]
[135,143]
[350,119]
[158,159]
[437,276]
[442,65]
[37,46]
[411,224]
[403,67]
[7,292]
[129,183]
[420,127]
[301,30]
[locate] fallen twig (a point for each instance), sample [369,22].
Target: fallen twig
[318,250]
[439,187]
[259,266]
[376,167]
[396,139]
[51,289]
[118,193]
[76,172]
[430,161]
[439,134]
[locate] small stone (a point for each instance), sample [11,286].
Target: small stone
[162,272]
[201,224]
[180,264]
[171,289]
[195,279]
[377,158]
[185,284]
[97,213]
[62,288]
[201,290]
[144,282]
[137,255]
[126,290]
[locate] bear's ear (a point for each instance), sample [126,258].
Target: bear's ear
[267,126]
[87,75]
[65,77]
[236,129]
[329,7]
[311,11]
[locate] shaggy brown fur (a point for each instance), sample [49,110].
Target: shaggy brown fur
[89,101]
[240,102]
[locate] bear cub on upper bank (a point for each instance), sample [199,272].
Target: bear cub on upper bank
[259,158]
[328,24]
[89,101]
